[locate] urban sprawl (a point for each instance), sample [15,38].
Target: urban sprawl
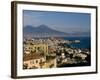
[53,53]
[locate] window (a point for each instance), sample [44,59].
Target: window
[30,62]
[40,60]
[33,62]
[36,61]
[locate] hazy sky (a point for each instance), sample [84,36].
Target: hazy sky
[61,21]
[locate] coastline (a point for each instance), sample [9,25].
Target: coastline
[57,51]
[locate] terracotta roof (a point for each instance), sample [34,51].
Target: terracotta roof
[31,56]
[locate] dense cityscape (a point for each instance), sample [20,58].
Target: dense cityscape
[52,53]
[56,39]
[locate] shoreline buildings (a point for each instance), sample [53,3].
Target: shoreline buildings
[52,53]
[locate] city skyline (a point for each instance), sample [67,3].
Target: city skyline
[61,21]
[56,39]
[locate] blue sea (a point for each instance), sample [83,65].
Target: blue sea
[85,42]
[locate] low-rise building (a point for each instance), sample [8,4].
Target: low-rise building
[34,60]
[36,47]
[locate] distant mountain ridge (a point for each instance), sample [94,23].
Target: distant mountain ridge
[41,31]
[45,31]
